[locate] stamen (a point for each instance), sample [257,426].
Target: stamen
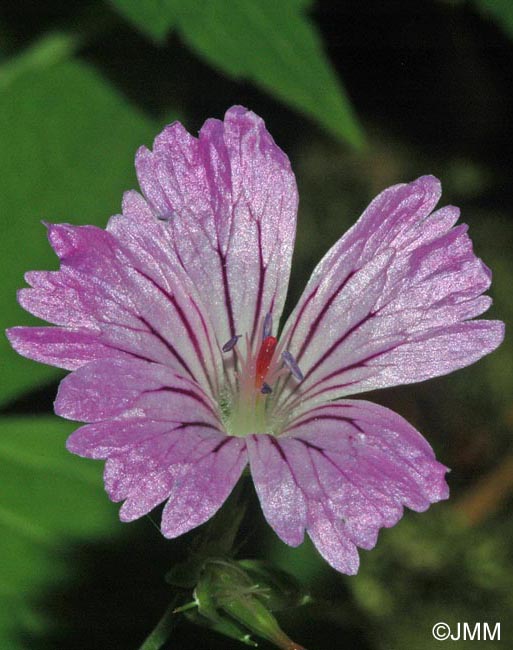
[266,389]
[171,214]
[268,326]
[291,364]
[229,345]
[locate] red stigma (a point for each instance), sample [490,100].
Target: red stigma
[264,359]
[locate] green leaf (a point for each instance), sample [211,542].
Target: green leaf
[153,17]
[47,51]
[273,44]
[50,499]
[501,11]
[68,144]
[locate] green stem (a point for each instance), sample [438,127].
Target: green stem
[217,540]
[160,634]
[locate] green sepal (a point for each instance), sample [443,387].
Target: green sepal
[222,625]
[283,589]
[227,595]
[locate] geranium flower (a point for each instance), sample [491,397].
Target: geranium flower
[169,321]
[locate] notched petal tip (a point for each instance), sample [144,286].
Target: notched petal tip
[171,135]
[237,110]
[74,446]
[500,332]
[59,238]
[19,341]
[488,336]
[142,153]
[486,270]
[143,165]
[428,180]
[429,184]
[11,334]
[243,117]
[66,239]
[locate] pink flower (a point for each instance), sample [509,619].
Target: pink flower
[168,321]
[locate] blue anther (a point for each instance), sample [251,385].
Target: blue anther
[229,345]
[268,325]
[291,364]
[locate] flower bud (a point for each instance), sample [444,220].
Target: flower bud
[236,598]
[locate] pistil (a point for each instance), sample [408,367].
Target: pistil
[264,358]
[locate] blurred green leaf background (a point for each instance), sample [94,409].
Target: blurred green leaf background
[360,94]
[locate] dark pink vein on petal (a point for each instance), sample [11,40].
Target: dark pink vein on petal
[186,425]
[304,392]
[168,345]
[214,450]
[182,391]
[178,427]
[279,392]
[227,297]
[322,452]
[314,409]
[358,364]
[341,340]
[187,325]
[218,447]
[283,456]
[300,315]
[205,329]
[132,354]
[324,416]
[276,444]
[148,328]
[261,280]
[382,441]
[315,325]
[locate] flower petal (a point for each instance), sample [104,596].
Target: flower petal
[128,299]
[60,346]
[229,199]
[188,463]
[391,302]
[162,439]
[202,485]
[282,499]
[343,471]
[148,462]
[111,388]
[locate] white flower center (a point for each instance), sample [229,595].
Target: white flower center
[249,407]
